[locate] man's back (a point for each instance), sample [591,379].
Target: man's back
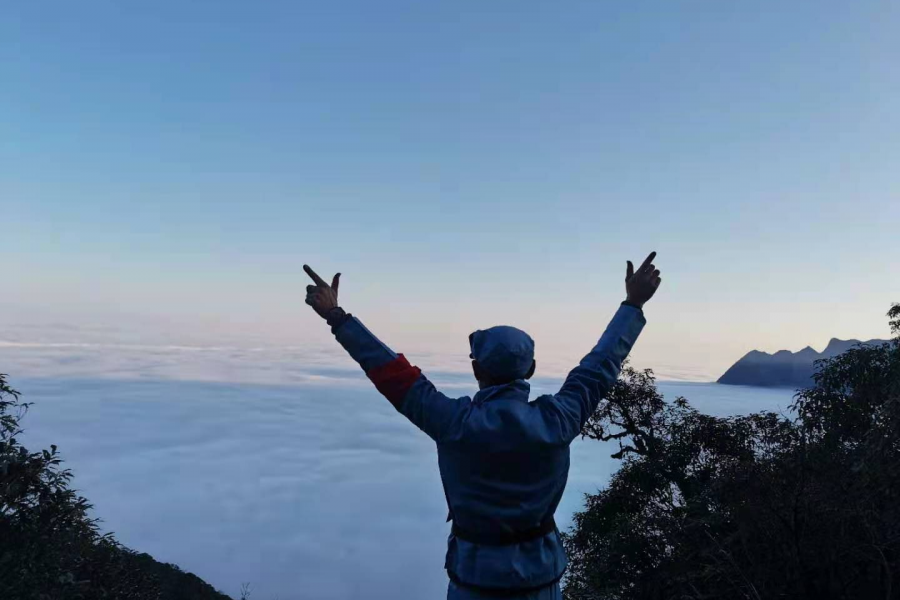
[504,471]
[505,468]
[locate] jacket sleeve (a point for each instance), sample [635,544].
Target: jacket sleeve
[589,382]
[400,382]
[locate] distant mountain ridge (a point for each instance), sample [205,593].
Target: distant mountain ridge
[784,368]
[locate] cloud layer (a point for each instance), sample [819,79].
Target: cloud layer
[316,489]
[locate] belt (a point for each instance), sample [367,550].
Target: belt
[505,538]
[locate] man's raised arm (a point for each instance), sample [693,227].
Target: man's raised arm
[401,383]
[589,382]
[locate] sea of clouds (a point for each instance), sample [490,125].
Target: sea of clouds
[280,467]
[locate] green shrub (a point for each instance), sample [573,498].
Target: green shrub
[758,506]
[50,548]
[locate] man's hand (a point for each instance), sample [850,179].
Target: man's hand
[641,285]
[322,297]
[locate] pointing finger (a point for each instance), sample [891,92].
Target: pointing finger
[335,282]
[648,261]
[629,271]
[314,276]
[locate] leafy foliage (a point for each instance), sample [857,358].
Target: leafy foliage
[757,506]
[49,546]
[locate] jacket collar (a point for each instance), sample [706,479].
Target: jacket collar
[515,390]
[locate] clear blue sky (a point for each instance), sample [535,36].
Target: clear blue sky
[462,163]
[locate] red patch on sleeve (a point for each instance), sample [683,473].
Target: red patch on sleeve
[394,379]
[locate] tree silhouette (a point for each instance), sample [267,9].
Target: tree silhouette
[50,548]
[759,506]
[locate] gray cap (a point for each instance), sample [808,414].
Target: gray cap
[504,352]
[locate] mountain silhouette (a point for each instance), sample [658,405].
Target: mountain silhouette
[784,368]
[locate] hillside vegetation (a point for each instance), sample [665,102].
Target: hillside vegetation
[804,505]
[51,549]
